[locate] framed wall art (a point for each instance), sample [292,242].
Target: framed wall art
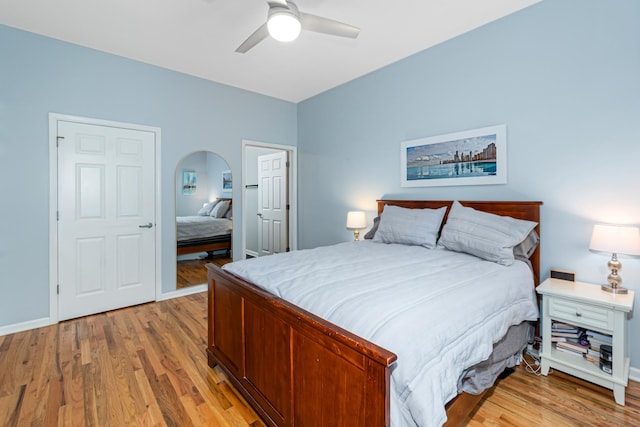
[189,183]
[227,181]
[473,157]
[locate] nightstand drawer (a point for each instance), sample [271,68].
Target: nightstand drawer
[585,314]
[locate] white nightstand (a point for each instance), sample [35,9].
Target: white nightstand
[587,306]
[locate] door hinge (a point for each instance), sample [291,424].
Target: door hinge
[288,207]
[287,164]
[58,289]
[57,215]
[58,138]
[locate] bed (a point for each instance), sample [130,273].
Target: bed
[295,368]
[205,233]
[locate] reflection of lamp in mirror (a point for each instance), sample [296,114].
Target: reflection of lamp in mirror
[356,221]
[615,239]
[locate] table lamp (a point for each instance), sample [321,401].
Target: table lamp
[615,239]
[356,221]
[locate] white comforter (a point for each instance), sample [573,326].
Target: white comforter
[195,227]
[438,311]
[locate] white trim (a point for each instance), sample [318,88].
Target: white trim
[24,326]
[182,292]
[54,118]
[634,374]
[293,190]
[252,253]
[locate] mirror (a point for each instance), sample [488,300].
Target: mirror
[204,230]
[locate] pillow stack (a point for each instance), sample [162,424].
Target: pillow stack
[220,209]
[485,235]
[409,226]
[206,209]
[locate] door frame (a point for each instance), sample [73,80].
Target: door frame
[293,190]
[54,118]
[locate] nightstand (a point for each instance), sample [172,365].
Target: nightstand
[587,306]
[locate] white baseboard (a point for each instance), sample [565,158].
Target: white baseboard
[24,326]
[182,292]
[634,374]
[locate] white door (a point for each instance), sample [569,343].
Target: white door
[273,215]
[106,199]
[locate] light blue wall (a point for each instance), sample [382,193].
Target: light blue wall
[215,166]
[190,204]
[39,75]
[564,76]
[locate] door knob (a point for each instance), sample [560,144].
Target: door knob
[149,225]
[259,214]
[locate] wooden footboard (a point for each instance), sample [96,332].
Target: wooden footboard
[294,368]
[213,244]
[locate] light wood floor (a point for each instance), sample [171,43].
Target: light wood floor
[146,366]
[193,271]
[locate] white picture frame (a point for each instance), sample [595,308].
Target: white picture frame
[472,157]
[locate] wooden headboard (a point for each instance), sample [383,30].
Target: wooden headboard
[529,211]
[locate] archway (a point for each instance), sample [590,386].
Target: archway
[204,231]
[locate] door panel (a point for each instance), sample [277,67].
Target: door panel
[106,191]
[89,272]
[272,201]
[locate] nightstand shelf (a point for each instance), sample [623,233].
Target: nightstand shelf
[587,306]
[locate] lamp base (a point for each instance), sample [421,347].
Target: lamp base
[614,289]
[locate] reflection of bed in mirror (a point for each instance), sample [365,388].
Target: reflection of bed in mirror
[326,336]
[208,231]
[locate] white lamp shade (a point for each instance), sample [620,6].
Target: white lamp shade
[356,220]
[618,239]
[284,26]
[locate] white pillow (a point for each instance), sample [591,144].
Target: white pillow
[485,235]
[220,209]
[418,227]
[206,209]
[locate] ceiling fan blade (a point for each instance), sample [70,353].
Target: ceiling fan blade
[328,26]
[255,38]
[277,3]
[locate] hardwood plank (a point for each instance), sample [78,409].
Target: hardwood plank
[191,272]
[146,366]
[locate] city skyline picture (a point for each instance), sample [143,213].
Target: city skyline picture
[472,157]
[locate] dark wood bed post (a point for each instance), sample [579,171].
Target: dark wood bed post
[296,369]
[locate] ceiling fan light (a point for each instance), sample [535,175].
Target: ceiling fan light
[284,26]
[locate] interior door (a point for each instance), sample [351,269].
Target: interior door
[106,215]
[273,214]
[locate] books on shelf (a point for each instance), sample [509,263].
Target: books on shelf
[566,334]
[591,358]
[573,346]
[565,350]
[579,341]
[562,325]
[597,336]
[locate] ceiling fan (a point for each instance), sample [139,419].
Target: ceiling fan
[284,23]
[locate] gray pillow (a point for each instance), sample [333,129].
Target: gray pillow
[373,230]
[206,209]
[527,247]
[417,227]
[485,235]
[220,209]
[229,213]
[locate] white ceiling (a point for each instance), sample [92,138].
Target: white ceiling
[199,37]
